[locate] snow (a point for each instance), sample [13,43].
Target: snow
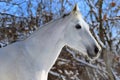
[61,63]
[54,73]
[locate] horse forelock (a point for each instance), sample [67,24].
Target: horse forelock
[66,14]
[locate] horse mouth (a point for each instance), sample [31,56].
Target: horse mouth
[92,58]
[85,54]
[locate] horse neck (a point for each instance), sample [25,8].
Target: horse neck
[45,45]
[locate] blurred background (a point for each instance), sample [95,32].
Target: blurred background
[20,18]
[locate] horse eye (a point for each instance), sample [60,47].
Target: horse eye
[78,26]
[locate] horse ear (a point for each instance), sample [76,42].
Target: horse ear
[76,8]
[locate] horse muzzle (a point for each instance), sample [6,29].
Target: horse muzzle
[93,53]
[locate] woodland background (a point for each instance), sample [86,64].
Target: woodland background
[20,18]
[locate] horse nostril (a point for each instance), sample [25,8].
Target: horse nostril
[93,52]
[96,49]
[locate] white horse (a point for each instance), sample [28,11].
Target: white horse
[32,58]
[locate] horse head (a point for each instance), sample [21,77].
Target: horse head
[78,36]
